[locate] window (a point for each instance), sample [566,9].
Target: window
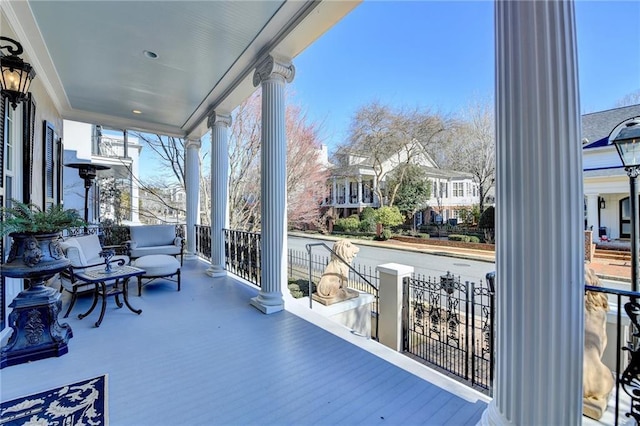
[444,189]
[458,189]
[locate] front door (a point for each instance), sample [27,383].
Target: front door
[625,217]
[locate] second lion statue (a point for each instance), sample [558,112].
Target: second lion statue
[332,287]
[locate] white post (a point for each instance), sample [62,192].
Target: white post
[347,191]
[359,189]
[273,74]
[192,178]
[592,215]
[539,217]
[334,192]
[219,124]
[390,302]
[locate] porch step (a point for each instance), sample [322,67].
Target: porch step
[613,255]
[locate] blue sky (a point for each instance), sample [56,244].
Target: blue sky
[440,55]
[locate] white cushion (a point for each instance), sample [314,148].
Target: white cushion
[72,250]
[157,265]
[153,235]
[89,246]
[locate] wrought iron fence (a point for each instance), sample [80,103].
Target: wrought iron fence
[203,241]
[626,352]
[242,254]
[449,324]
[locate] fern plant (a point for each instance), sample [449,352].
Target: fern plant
[30,218]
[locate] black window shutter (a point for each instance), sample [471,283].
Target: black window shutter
[28,129]
[3,294]
[49,165]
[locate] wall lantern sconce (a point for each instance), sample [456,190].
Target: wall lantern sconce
[601,203]
[15,74]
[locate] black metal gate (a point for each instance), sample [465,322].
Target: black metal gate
[449,325]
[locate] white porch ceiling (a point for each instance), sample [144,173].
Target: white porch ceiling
[91,54]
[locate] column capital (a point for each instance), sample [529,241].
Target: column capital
[192,144]
[271,66]
[218,119]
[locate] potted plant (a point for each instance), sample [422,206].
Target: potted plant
[35,233]
[35,255]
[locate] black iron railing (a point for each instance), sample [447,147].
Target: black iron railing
[242,255]
[203,241]
[449,324]
[627,352]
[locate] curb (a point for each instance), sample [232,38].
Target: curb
[433,251]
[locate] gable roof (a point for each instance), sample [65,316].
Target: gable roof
[597,126]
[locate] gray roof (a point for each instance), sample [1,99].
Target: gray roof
[598,125]
[445,173]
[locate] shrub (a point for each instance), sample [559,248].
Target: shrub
[457,237]
[487,218]
[422,235]
[473,239]
[299,288]
[389,216]
[384,235]
[347,224]
[368,213]
[367,224]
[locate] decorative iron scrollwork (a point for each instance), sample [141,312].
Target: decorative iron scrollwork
[630,379]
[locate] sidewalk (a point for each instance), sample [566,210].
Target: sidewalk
[610,269]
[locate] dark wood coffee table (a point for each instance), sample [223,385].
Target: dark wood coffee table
[113,283]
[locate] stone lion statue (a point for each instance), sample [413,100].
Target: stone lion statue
[332,287]
[597,380]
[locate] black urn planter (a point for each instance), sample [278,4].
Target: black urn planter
[34,318]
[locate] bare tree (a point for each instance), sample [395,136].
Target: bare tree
[169,151]
[306,177]
[244,166]
[471,147]
[390,140]
[629,99]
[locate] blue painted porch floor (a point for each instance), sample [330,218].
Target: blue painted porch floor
[204,356]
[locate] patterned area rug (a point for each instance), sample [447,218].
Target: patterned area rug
[82,403]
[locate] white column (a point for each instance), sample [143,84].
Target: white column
[334,193]
[134,207]
[359,189]
[273,74]
[347,191]
[539,258]
[219,124]
[192,182]
[592,215]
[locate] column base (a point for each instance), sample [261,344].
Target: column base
[216,271]
[492,417]
[258,303]
[190,256]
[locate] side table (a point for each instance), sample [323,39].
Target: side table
[100,277]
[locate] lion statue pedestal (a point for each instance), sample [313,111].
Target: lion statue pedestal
[332,287]
[597,380]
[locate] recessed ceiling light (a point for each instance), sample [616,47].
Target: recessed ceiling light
[149,54]
[136,111]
